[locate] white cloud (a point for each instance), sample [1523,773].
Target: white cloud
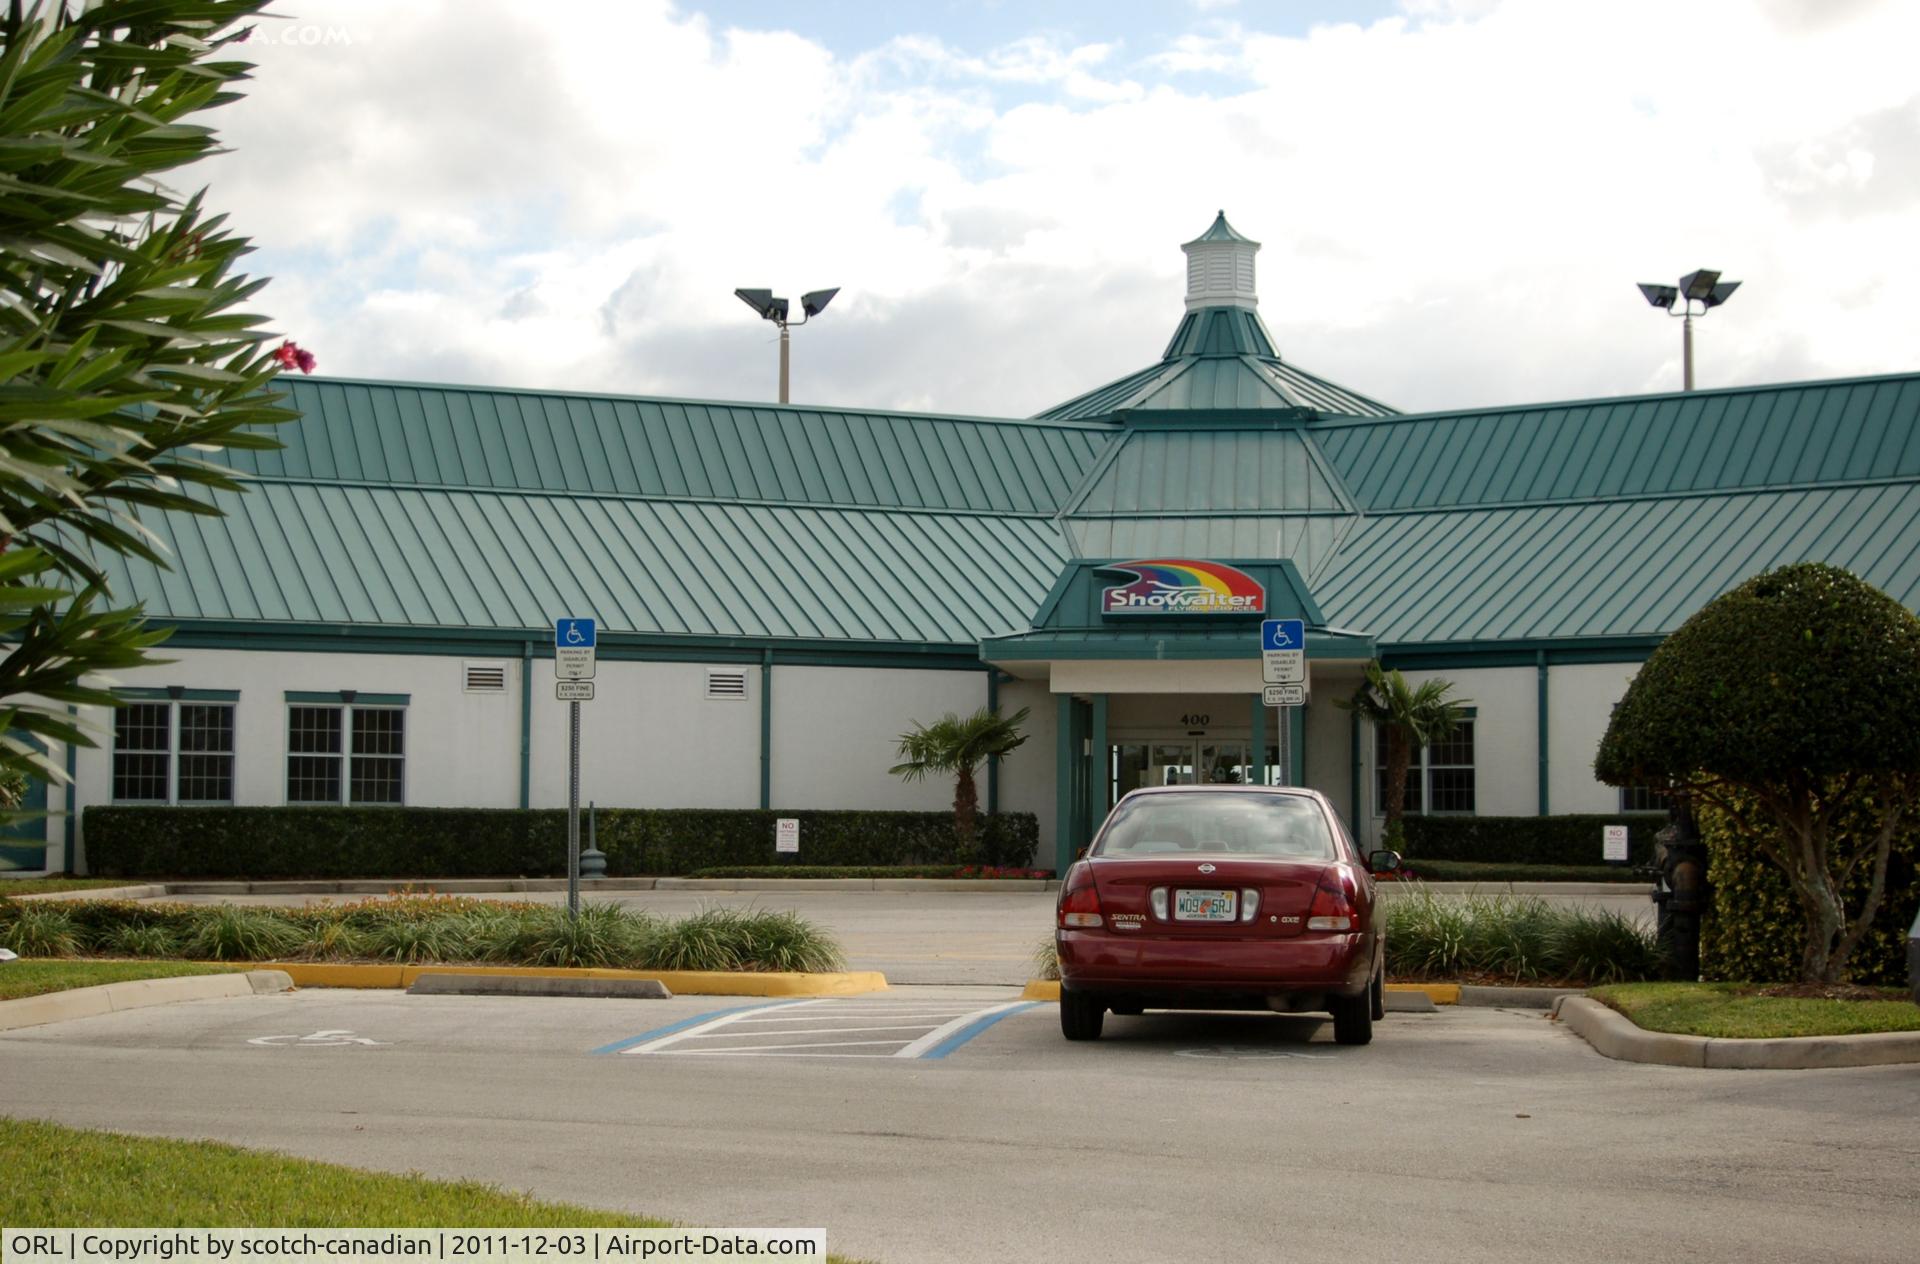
[1455,203]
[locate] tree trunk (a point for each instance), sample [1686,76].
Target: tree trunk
[1399,755]
[966,810]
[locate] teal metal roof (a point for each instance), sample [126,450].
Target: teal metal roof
[1220,230]
[1221,360]
[476,437]
[1620,568]
[1746,437]
[392,557]
[1220,471]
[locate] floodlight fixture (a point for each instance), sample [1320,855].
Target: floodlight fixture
[1702,286]
[775,309]
[1699,283]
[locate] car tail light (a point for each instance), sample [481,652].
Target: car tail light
[1249,903]
[1080,902]
[1333,901]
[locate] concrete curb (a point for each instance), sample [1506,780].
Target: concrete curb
[1515,997]
[111,998]
[679,982]
[1614,1035]
[1438,993]
[143,891]
[1519,888]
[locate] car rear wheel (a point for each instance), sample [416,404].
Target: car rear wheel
[1080,1015]
[1353,1019]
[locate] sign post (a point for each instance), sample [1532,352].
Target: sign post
[1283,670]
[574,641]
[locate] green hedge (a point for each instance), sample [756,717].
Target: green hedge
[1528,840]
[346,842]
[1755,932]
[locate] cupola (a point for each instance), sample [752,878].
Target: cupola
[1220,268]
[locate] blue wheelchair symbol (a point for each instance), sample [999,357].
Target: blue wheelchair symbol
[1283,634]
[578,633]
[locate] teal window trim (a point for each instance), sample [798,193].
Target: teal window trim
[347,702]
[348,697]
[143,693]
[1421,764]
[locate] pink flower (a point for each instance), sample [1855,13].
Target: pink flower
[292,355]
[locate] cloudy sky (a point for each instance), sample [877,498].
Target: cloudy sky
[1455,196]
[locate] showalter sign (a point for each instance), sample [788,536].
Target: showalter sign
[1183,586]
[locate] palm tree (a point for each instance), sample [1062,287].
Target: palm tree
[1411,718]
[958,744]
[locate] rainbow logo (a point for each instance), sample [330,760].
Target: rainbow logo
[1183,586]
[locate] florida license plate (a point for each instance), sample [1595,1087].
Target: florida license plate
[1204,906]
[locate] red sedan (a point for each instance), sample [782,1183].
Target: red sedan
[1222,897]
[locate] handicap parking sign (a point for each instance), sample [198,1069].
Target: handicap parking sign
[573,633]
[1283,634]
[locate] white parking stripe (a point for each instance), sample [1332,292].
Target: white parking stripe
[938,1034]
[791,1030]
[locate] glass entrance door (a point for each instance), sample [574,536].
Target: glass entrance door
[1180,762]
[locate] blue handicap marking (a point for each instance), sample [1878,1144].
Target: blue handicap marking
[1283,634]
[574,632]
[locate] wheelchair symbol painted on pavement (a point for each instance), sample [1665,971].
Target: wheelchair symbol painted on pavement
[329,1039]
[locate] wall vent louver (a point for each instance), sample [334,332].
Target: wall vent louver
[484,677]
[729,684]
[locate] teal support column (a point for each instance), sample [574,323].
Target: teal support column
[993,761]
[1099,766]
[1065,754]
[1540,669]
[766,729]
[1296,746]
[526,724]
[1353,791]
[1259,742]
[69,827]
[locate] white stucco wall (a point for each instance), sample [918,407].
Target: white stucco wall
[1581,698]
[1330,753]
[1026,776]
[836,731]
[650,738]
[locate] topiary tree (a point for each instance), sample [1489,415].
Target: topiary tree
[1411,718]
[1790,706]
[958,744]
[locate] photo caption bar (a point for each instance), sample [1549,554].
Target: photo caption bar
[377,1246]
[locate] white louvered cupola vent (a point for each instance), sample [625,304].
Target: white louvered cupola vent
[484,677]
[727,683]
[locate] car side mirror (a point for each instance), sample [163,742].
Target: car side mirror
[1383,861]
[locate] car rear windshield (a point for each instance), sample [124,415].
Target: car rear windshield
[1280,826]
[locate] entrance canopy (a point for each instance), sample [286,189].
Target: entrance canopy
[1168,609]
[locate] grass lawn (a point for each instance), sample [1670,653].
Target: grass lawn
[1735,1010]
[44,886]
[65,1176]
[33,978]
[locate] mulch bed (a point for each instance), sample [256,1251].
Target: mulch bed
[1827,992]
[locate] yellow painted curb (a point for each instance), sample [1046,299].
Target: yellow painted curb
[1439,993]
[1041,990]
[679,982]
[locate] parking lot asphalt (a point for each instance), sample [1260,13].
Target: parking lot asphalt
[935,937]
[1467,1134]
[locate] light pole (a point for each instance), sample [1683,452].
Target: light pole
[1699,286]
[775,310]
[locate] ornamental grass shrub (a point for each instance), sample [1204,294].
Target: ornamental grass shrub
[1518,939]
[416,930]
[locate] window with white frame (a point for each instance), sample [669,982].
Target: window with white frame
[173,746]
[1440,777]
[347,747]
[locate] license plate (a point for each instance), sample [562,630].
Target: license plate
[1204,906]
